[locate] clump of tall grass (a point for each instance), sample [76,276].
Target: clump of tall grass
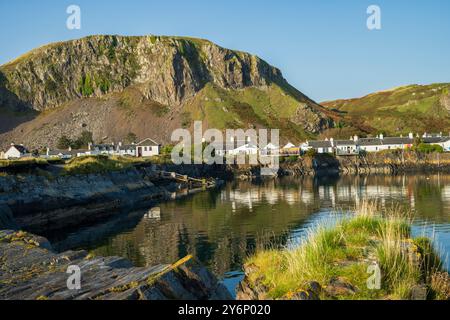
[97,164]
[346,249]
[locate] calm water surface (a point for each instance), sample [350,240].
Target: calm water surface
[221,227]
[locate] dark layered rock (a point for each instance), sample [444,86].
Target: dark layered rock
[30,270]
[52,202]
[6,218]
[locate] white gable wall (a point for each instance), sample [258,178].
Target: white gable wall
[147,151]
[13,153]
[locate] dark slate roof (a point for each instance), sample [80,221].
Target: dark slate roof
[344,142]
[127,147]
[320,144]
[21,148]
[104,146]
[397,140]
[369,142]
[148,142]
[434,139]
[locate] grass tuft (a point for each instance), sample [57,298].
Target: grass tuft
[345,251]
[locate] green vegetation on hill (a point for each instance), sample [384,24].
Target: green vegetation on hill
[413,108]
[249,108]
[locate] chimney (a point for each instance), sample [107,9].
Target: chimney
[411,135]
[48,151]
[332,142]
[120,144]
[89,146]
[70,148]
[355,138]
[381,136]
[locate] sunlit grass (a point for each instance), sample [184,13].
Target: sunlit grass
[345,250]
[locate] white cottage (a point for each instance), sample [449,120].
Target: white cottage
[270,149]
[323,146]
[16,151]
[444,142]
[147,148]
[127,150]
[247,149]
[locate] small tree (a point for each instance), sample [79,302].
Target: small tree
[83,140]
[311,152]
[64,142]
[131,137]
[167,149]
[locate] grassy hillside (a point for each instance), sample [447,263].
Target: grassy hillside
[252,107]
[416,108]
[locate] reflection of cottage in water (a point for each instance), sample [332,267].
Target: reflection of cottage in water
[154,213]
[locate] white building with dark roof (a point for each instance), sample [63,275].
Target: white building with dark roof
[16,151]
[147,148]
[323,146]
[345,147]
[355,145]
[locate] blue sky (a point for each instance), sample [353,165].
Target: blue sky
[323,47]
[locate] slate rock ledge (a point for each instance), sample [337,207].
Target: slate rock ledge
[30,270]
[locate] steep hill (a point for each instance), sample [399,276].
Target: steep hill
[412,108]
[149,85]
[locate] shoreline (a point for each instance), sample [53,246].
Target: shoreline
[31,270]
[37,199]
[137,187]
[370,255]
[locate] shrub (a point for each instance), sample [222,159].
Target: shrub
[64,142]
[97,164]
[311,152]
[131,137]
[428,148]
[83,140]
[85,86]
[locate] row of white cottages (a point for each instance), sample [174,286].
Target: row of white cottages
[146,148]
[351,146]
[355,145]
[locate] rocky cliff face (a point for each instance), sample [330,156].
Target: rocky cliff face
[168,70]
[159,79]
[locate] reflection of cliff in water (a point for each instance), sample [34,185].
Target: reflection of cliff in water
[221,227]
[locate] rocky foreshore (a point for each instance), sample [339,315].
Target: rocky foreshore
[45,201]
[31,270]
[393,162]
